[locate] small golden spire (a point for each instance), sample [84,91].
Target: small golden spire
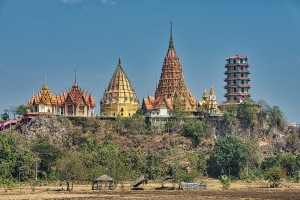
[212,91]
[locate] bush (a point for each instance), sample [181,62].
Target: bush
[225,181]
[273,175]
[186,177]
[297,176]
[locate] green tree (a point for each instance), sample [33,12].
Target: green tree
[22,109]
[70,167]
[5,115]
[230,156]
[198,162]
[48,154]
[230,120]
[13,111]
[276,118]
[154,164]
[8,157]
[247,112]
[288,162]
[139,112]
[195,129]
[273,175]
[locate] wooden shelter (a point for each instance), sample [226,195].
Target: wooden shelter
[170,179]
[192,186]
[141,180]
[104,182]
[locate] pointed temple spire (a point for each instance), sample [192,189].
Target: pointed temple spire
[32,91]
[119,98]
[119,63]
[171,44]
[45,77]
[75,82]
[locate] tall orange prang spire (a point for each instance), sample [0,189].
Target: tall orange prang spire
[171,88]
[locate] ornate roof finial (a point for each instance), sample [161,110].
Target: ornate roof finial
[236,51]
[45,77]
[171,44]
[75,81]
[119,63]
[212,90]
[32,91]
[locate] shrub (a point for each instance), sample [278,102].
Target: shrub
[225,181]
[186,177]
[273,175]
[297,176]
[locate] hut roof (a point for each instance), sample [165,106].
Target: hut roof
[139,181]
[168,179]
[105,178]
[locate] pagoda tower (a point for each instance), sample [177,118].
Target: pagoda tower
[171,84]
[237,81]
[119,99]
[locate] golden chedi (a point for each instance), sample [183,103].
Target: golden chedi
[119,99]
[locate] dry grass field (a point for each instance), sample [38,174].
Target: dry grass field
[238,190]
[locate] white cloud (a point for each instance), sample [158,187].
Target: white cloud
[109,2]
[71,1]
[105,2]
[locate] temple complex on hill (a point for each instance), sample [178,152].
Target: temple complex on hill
[119,98]
[171,91]
[75,102]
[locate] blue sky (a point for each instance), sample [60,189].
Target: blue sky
[58,36]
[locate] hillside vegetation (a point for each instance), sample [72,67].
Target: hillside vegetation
[243,144]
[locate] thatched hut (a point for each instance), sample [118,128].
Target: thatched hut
[170,179]
[104,182]
[141,180]
[192,186]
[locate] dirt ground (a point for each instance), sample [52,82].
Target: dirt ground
[238,190]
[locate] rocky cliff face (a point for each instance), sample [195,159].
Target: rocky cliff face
[54,129]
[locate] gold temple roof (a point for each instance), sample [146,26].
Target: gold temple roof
[119,89]
[44,96]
